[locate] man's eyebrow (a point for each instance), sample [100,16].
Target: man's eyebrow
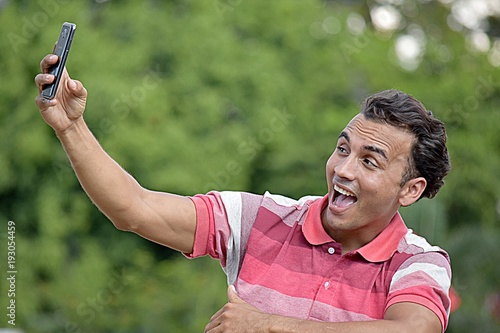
[344,135]
[376,150]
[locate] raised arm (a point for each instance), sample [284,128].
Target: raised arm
[164,218]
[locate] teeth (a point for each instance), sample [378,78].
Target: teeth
[342,191]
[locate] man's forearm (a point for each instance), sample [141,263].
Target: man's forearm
[109,186]
[399,318]
[292,325]
[240,316]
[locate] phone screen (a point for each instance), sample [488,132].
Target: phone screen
[61,50]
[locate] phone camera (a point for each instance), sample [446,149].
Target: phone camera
[64,33]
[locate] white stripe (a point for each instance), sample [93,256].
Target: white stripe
[289,202]
[439,274]
[412,239]
[272,301]
[232,203]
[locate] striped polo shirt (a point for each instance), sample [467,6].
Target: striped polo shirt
[279,257]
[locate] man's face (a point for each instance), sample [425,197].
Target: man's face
[364,179]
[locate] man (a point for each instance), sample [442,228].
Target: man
[344,262]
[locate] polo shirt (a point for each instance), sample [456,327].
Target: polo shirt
[279,257]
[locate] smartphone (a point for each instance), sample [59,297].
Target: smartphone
[61,50]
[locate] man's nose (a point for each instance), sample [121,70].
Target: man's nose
[346,168]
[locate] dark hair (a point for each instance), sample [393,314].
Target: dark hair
[429,155]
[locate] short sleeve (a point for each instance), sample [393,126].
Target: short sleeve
[424,279]
[223,224]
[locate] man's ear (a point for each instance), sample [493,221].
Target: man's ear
[412,190]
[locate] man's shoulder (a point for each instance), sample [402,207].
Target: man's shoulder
[251,204]
[413,244]
[416,249]
[284,201]
[267,199]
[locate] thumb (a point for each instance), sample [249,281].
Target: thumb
[232,295]
[77,88]
[72,85]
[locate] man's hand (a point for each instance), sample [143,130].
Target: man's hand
[237,316]
[69,103]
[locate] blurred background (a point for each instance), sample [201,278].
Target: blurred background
[190,96]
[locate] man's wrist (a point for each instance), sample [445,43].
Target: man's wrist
[281,324]
[77,126]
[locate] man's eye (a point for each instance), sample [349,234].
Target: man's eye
[341,150]
[369,163]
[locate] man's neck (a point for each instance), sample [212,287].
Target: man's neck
[355,239]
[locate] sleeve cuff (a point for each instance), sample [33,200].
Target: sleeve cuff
[202,232]
[443,318]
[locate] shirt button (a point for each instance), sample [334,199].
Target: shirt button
[327,284]
[331,250]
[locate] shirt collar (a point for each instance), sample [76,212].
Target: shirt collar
[380,249]
[313,229]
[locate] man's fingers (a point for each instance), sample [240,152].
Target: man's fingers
[76,88]
[216,315]
[43,103]
[43,79]
[48,61]
[211,325]
[214,321]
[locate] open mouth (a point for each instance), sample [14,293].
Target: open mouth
[343,198]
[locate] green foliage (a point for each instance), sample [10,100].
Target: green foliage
[191,96]
[475,262]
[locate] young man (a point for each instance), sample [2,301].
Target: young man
[344,262]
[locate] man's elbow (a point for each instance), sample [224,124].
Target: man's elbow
[122,226]
[122,220]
